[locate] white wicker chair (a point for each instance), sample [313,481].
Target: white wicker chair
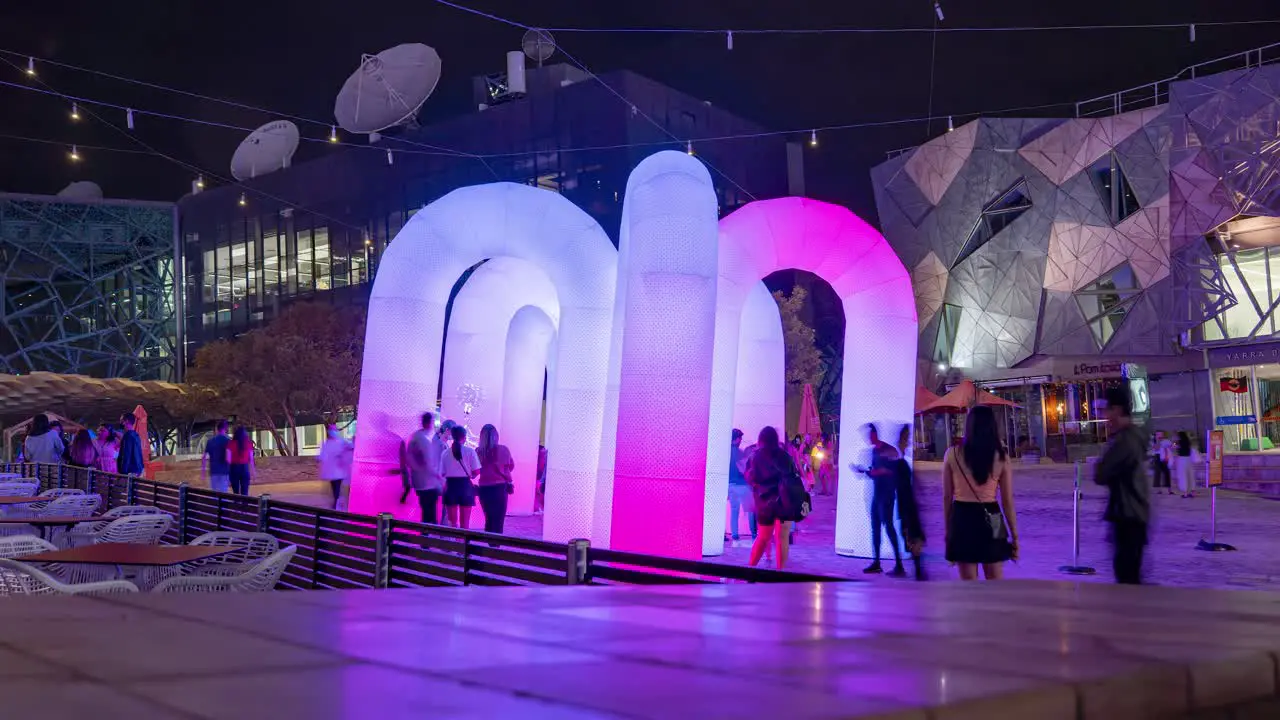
[18,487]
[83,533]
[140,529]
[250,548]
[261,577]
[52,494]
[19,578]
[72,506]
[18,545]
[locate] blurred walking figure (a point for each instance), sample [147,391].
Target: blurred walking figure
[423,451]
[739,491]
[335,461]
[908,508]
[770,465]
[1185,463]
[881,470]
[979,530]
[459,466]
[242,463]
[540,497]
[1122,470]
[43,443]
[496,484]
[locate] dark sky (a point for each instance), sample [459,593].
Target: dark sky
[293,55]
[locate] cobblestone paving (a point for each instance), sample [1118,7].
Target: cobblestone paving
[1043,500]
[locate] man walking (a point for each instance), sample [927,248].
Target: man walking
[130,462]
[739,491]
[424,449]
[884,493]
[1122,468]
[214,460]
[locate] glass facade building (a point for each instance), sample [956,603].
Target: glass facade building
[317,229]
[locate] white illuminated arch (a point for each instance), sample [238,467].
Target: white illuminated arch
[667,288]
[760,398]
[879,343]
[493,344]
[406,327]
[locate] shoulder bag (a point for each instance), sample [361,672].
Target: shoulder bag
[794,500]
[995,520]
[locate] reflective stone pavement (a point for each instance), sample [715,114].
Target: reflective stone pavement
[1020,649]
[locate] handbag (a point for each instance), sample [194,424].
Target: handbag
[995,520]
[794,500]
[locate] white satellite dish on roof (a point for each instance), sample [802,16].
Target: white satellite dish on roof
[83,190]
[538,45]
[387,89]
[267,149]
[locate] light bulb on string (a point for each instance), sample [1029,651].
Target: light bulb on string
[950,124]
[333,134]
[391,160]
[75,111]
[128,118]
[31,66]
[729,39]
[688,147]
[1193,32]
[243,200]
[813,138]
[75,153]
[937,9]
[200,181]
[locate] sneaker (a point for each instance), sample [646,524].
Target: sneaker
[897,571]
[873,569]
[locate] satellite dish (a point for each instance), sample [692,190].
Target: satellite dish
[267,149]
[82,191]
[538,45]
[387,89]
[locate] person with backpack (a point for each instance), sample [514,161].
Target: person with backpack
[770,474]
[884,493]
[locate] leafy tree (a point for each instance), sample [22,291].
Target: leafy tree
[803,361]
[304,365]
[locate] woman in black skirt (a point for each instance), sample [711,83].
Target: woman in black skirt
[979,530]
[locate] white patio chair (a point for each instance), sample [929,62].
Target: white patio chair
[12,488]
[19,578]
[52,494]
[250,548]
[18,545]
[261,577]
[69,506]
[139,529]
[82,533]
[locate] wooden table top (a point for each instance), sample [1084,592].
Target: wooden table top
[21,499]
[50,520]
[129,554]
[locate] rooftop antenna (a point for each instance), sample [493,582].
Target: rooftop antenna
[388,89]
[538,45]
[267,149]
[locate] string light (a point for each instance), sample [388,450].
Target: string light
[950,124]
[333,134]
[937,9]
[75,153]
[243,201]
[200,181]
[75,111]
[688,147]
[729,39]
[813,138]
[128,118]
[1193,32]
[31,66]
[390,158]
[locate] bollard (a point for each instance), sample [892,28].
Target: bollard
[1075,568]
[577,571]
[382,551]
[264,512]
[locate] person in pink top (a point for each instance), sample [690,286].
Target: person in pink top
[980,530]
[494,480]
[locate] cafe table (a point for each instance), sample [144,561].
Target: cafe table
[42,523]
[119,555]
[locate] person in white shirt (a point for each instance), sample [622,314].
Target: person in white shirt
[423,449]
[459,465]
[335,461]
[44,443]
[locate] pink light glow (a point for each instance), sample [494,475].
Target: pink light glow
[880,334]
[667,262]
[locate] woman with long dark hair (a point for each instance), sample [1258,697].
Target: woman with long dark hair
[494,480]
[83,452]
[908,508]
[459,465]
[240,457]
[979,529]
[767,468]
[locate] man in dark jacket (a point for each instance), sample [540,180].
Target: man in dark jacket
[130,461]
[1122,468]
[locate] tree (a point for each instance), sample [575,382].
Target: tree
[803,361]
[303,365]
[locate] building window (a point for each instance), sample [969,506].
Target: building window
[996,216]
[1113,188]
[1105,302]
[948,326]
[320,246]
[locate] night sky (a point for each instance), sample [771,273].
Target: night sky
[293,55]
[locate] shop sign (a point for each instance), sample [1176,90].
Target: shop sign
[1235,420]
[1244,355]
[1099,369]
[1215,458]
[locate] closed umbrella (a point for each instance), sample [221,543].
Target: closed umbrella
[141,427]
[809,423]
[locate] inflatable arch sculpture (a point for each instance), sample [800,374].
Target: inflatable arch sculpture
[661,346]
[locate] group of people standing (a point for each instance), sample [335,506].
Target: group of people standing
[1170,460]
[112,448]
[439,465]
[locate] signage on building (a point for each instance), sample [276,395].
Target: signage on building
[1244,355]
[1215,458]
[1235,420]
[1135,377]
[1098,369]
[1238,385]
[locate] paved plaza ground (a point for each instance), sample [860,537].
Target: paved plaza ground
[1043,498]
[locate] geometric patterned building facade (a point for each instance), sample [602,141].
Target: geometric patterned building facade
[1099,236]
[88,288]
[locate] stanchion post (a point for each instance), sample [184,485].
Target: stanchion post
[264,512]
[1212,479]
[1075,568]
[382,551]
[577,570]
[183,492]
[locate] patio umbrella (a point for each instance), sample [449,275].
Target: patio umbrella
[964,396]
[141,427]
[924,398]
[809,423]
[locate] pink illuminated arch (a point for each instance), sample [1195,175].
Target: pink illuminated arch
[879,345]
[406,327]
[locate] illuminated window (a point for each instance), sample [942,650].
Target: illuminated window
[1105,302]
[996,216]
[1113,188]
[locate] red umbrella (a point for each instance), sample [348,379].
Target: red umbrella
[924,398]
[964,396]
[809,423]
